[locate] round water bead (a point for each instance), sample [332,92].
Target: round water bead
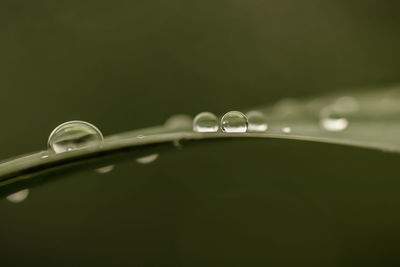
[74,135]
[234,122]
[256,121]
[205,122]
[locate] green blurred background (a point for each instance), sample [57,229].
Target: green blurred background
[123,65]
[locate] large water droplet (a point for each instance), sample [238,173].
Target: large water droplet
[18,196]
[147,159]
[74,135]
[205,122]
[256,121]
[332,121]
[234,122]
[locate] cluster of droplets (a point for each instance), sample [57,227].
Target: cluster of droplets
[231,122]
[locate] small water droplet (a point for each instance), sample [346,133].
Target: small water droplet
[256,121]
[205,122]
[140,136]
[18,196]
[179,121]
[105,169]
[147,159]
[332,121]
[74,135]
[234,122]
[286,129]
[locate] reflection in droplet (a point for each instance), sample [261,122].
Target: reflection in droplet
[74,135]
[205,122]
[147,159]
[105,169]
[179,121]
[140,136]
[286,130]
[18,196]
[256,121]
[234,122]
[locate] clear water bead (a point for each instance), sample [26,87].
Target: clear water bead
[74,135]
[256,121]
[234,122]
[205,122]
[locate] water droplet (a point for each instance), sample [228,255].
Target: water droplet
[234,122]
[205,122]
[18,196]
[147,159]
[74,135]
[105,169]
[140,136]
[179,121]
[286,129]
[332,121]
[256,121]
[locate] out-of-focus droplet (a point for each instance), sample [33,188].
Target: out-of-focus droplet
[334,124]
[18,196]
[205,122]
[286,129]
[105,169]
[256,121]
[234,122]
[147,159]
[331,121]
[74,135]
[179,121]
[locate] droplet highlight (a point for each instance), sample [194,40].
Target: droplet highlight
[74,135]
[234,122]
[286,129]
[205,122]
[19,196]
[256,121]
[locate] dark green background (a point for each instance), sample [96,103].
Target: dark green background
[130,64]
